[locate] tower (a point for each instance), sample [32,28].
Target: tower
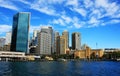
[65,34]
[45,39]
[56,34]
[76,41]
[61,45]
[20,32]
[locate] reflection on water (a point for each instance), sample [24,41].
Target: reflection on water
[53,68]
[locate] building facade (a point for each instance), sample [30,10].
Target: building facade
[61,45]
[65,34]
[20,32]
[76,41]
[89,53]
[2,42]
[8,38]
[45,41]
[56,34]
[6,47]
[58,45]
[34,40]
[35,32]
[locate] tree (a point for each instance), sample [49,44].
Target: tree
[77,57]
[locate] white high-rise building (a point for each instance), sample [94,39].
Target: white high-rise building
[34,40]
[35,32]
[8,38]
[45,43]
[45,40]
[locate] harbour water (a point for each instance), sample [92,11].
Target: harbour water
[55,68]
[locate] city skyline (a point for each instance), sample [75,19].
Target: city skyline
[97,21]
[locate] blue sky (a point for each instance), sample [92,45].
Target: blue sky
[98,21]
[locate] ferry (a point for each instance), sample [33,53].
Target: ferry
[118,59]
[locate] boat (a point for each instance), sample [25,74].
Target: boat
[118,59]
[61,59]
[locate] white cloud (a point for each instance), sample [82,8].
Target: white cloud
[72,3]
[55,1]
[62,20]
[46,7]
[97,13]
[80,11]
[32,28]
[92,12]
[93,20]
[75,19]
[43,6]
[8,4]
[88,3]
[115,21]
[76,7]
[59,21]
[102,3]
[67,21]
[110,8]
[5,28]
[77,23]
[24,1]
[102,9]
[112,21]
[46,25]
[45,10]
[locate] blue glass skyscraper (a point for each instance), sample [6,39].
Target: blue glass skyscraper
[20,32]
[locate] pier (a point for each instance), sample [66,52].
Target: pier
[12,56]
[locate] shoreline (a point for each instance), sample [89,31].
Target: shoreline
[66,60]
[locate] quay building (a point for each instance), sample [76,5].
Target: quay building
[88,53]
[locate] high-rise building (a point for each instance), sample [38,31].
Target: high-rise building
[61,45]
[49,30]
[35,32]
[76,41]
[8,38]
[45,40]
[65,34]
[34,40]
[2,42]
[58,45]
[20,32]
[56,34]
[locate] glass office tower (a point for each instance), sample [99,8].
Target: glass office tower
[20,32]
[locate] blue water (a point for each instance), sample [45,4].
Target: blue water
[54,68]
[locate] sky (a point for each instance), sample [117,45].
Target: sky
[98,21]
